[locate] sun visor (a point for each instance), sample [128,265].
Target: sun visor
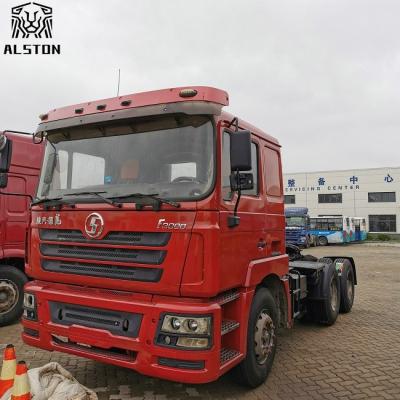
[189,108]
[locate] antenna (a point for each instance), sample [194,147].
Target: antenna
[119,80]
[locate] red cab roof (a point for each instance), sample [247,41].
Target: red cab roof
[172,95]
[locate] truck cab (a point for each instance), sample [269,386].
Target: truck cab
[298,227]
[157,239]
[20,162]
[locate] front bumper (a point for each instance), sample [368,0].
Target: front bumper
[141,353]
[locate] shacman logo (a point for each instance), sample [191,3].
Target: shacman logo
[32,21]
[94,225]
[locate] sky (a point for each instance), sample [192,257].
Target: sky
[321,76]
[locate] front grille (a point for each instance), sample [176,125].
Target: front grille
[116,322]
[155,239]
[104,271]
[104,254]
[293,235]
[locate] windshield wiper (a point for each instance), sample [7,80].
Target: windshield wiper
[151,196]
[55,200]
[98,194]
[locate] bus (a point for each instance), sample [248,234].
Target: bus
[331,229]
[360,228]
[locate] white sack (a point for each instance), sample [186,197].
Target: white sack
[53,382]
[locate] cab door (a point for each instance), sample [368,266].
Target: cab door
[247,241]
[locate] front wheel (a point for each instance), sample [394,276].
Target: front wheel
[261,340]
[12,282]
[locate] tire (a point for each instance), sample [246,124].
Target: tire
[322,241]
[347,280]
[331,292]
[254,369]
[324,295]
[12,282]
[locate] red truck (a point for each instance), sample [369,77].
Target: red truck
[20,163]
[157,240]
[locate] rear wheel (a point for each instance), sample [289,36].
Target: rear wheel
[322,241]
[346,285]
[12,282]
[331,303]
[261,341]
[326,310]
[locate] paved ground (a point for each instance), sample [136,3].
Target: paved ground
[357,358]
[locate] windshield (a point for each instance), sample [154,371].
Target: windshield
[294,221]
[172,156]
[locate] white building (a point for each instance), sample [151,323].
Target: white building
[371,193]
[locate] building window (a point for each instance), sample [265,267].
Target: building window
[330,198]
[381,197]
[382,223]
[290,199]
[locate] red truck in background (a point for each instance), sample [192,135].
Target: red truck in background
[20,163]
[157,240]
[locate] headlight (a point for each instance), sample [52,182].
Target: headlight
[186,325]
[29,301]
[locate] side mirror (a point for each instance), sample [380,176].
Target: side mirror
[3,180]
[240,161]
[240,151]
[5,153]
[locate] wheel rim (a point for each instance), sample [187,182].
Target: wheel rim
[264,337]
[350,288]
[334,295]
[9,296]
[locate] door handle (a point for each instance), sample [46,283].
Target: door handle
[261,244]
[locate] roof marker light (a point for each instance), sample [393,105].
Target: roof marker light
[43,117]
[126,102]
[188,92]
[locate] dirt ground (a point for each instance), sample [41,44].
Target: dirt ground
[357,358]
